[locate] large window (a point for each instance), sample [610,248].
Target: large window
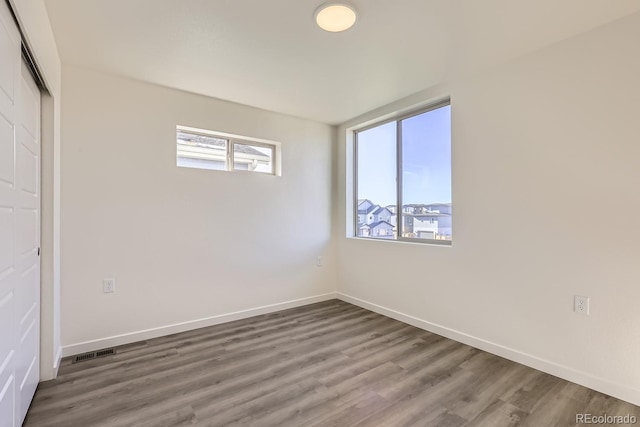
[403,178]
[201,149]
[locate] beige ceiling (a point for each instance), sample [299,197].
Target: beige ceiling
[269,54]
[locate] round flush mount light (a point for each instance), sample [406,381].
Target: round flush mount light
[335,17]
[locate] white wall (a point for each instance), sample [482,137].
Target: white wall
[559,128]
[34,22]
[183,244]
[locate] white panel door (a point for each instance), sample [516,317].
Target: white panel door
[19,228]
[9,276]
[28,241]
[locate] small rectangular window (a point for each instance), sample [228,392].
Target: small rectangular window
[202,149]
[403,166]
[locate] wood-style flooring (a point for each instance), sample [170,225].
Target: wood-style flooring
[326,364]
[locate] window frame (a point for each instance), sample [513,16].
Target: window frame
[399,210]
[231,141]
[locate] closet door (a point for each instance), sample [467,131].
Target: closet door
[28,241]
[19,228]
[9,205]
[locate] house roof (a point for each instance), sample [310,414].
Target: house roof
[380,209]
[368,210]
[201,140]
[379,223]
[212,142]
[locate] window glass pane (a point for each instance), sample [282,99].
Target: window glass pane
[200,151]
[376,180]
[254,158]
[426,175]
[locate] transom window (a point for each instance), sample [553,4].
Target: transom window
[403,178]
[202,149]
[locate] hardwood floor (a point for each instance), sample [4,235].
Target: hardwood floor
[326,364]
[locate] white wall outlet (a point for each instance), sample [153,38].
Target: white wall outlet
[108,285]
[319,261]
[581,305]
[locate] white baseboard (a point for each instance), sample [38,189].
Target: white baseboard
[49,366]
[602,385]
[56,362]
[128,338]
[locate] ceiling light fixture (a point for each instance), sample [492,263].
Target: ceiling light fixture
[335,17]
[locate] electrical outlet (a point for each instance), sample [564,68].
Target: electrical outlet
[581,305]
[319,261]
[108,285]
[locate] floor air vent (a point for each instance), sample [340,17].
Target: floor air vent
[93,355]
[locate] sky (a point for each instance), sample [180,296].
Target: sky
[426,160]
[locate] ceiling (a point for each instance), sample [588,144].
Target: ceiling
[270,54]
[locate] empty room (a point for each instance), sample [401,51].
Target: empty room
[307,213]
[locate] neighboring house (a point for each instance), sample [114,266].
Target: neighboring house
[374,220]
[425,226]
[424,221]
[444,225]
[394,215]
[408,209]
[365,211]
[365,204]
[427,221]
[444,218]
[443,208]
[407,225]
[382,214]
[379,229]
